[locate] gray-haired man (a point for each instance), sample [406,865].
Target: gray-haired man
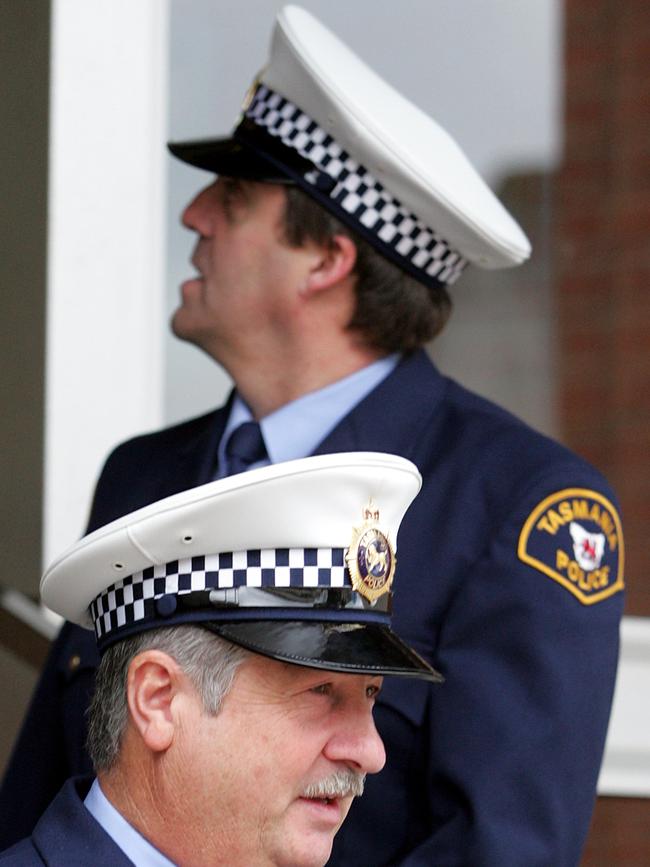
[245,631]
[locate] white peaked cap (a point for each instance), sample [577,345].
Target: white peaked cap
[412,155]
[319,117]
[294,561]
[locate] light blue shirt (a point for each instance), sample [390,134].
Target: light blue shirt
[297,428]
[130,841]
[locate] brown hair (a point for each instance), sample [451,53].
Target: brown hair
[394,312]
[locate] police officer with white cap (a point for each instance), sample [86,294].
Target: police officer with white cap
[245,632]
[325,253]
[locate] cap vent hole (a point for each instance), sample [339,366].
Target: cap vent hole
[187,538]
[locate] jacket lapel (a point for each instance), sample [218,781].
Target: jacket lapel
[196,462]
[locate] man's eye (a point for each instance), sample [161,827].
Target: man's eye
[231,188]
[322,689]
[372,691]
[227,190]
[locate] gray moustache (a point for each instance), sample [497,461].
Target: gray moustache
[341,784]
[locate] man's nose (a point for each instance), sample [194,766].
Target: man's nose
[356,742]
[196,215]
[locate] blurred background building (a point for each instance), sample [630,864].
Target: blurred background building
[550,100]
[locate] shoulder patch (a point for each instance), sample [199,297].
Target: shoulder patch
[574,536]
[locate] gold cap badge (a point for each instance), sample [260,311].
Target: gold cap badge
[371,558]
[248,96]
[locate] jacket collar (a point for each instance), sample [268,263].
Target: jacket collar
[416,387]
[67,834]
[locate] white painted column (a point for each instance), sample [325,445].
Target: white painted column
[106,242]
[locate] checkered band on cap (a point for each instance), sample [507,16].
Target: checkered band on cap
[355,190]
[133,599]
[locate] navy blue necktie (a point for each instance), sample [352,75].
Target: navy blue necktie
[245,446]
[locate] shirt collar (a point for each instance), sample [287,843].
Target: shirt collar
[124,835]
[297,428]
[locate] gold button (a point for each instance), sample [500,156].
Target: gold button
[74,662]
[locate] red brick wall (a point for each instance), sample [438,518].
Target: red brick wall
[602,267]
[620,834]
[602,239]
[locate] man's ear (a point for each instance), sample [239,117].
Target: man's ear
[333,264]
[153,680]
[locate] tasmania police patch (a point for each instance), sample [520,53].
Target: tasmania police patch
[575,537]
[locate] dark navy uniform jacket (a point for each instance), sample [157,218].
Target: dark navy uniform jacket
[67,836]
[498,766]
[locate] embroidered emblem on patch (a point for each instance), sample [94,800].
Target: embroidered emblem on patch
[370,557]
[575,537]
